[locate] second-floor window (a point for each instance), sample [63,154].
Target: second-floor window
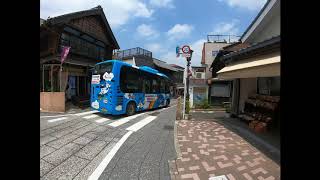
[198,75]
[83,47]
[214,53]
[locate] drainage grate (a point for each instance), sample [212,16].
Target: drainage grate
[222,177]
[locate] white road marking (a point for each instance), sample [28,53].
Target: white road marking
[124,120]
[85,113]
[57,119]
[98,171]
[135,127]
[54,116]
[91,116]
[102,120]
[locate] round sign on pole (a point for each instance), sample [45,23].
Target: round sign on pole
[186,49]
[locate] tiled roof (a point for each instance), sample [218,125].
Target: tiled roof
[255,46]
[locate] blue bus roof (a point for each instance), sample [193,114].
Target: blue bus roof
[144,68]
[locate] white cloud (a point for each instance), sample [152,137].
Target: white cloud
[162,3]
[197,52]
[170,56]
[227,28]
[147,31]
[155,47]
[118,12]
[143,11]
[179,31]
[246,4]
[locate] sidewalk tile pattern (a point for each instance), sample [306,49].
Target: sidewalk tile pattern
[208,149]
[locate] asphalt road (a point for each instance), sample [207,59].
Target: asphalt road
[86,144]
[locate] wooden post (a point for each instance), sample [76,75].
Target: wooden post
[42,78]
[51,77]
[77,85]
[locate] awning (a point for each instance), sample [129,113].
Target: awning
[267,67]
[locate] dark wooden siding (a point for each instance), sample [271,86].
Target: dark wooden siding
[92,25]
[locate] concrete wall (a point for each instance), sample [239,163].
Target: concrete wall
[209,47]
[52,101]
[248,86]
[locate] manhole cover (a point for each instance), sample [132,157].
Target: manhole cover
[222,177]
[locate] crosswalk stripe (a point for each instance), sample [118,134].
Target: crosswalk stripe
[102,120]
[57,119]
[135,127]
[124,120]
[53,116]
[85,113]
[90,116]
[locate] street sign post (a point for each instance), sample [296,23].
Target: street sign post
[187,53]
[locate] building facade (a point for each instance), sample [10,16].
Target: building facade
[255,69]
[90,39]
[198,87]
[218,91]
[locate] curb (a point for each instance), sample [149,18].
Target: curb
[176,145]
[172,165]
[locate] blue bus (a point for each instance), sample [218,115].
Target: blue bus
[121,88]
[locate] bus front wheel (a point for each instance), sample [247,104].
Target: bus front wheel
[131,108]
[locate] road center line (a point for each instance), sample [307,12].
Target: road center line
[57,119]
[54,116]
[98,171]
[124,120]
[135,127]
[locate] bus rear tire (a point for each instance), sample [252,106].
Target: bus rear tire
[131,108]
[167,103]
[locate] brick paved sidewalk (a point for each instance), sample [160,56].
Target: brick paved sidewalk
[208,149]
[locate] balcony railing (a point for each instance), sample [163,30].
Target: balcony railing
[223,38]
[132,52]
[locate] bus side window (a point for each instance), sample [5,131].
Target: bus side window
[129,80]
[155,86]
[162,85]
[167,89]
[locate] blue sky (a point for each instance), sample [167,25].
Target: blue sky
[161,25]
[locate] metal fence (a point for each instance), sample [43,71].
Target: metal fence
[131,52]
[223,38]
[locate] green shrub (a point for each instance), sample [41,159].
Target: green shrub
[187,107]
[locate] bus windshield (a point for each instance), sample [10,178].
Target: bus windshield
[102,68]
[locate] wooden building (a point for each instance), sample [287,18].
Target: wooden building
[91,39]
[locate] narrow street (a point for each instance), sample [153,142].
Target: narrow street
[87,144]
